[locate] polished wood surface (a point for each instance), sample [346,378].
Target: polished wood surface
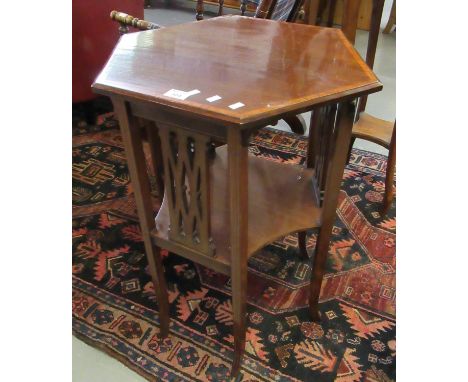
[285,67]
[239,228]
[186,169]
[373,129]
[343,125]
[131,136]
[242,202]
[271,215]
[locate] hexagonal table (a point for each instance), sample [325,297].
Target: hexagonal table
[221,80]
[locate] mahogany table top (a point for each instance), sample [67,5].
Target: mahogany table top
[265,68]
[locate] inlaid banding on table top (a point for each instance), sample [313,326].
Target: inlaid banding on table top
[283,66]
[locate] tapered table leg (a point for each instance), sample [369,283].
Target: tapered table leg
[131,135]
[199,10]
[330,203]
[390,175]
[302,243]
[238,201]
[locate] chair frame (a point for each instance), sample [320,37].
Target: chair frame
[366,126]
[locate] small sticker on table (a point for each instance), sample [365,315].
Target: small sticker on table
[236,105]
[180,94]
[214,98]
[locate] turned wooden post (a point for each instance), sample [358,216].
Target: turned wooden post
[126,20]
[220,7]
[199,10]
[263,8]
[243,6]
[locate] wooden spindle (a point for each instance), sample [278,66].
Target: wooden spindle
[330,130]
[376,18]
[321,140]
[263,8]
[199,10]
[126,20]
[331,13]
[220,7]
[243,6]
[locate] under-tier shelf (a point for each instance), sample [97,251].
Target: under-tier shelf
[282,200]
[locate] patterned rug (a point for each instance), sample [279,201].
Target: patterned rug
[114,306]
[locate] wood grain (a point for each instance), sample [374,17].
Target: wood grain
[373,129]
[268,183]
[131,135]
[286,66]
[340,144]
[238,186]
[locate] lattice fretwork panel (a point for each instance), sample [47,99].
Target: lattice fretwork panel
[185,157]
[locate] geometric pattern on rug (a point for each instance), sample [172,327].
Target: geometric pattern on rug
[115,309]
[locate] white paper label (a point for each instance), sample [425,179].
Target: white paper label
[236,105]
[180,94]
[214,98]
[192,92]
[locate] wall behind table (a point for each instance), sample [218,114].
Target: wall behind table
[94,37]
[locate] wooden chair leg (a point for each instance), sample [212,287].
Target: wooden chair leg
[318,271]
[332,189]
[296,123]
[390,175]
[331,13]
[391,20]
[243,7]
[353,139]
[160,288]
[238,202]
[220,7]
[131,135]
[302,242]
[199,10]
[311,10]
